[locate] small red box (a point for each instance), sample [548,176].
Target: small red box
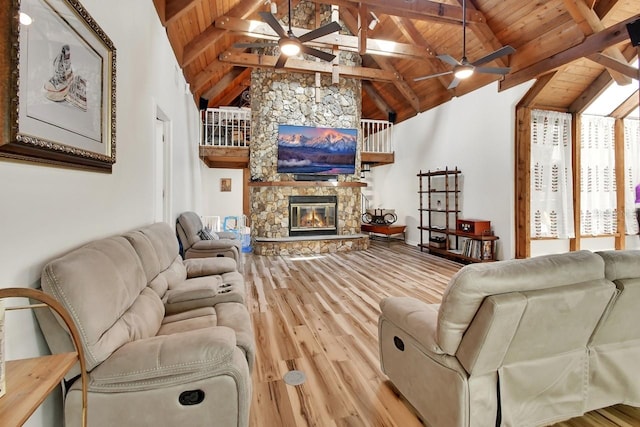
[476,227]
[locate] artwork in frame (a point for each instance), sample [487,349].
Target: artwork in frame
[225,184]
[58,86]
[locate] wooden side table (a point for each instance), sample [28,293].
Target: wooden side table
[386,232]
[29,381]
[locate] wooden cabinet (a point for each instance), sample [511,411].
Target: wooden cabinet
[29,381]
[442,231]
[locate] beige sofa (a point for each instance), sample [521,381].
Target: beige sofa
[167,342]
[516,343]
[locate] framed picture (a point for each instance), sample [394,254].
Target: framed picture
[225,184]
[57,86]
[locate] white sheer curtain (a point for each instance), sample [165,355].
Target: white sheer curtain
[598,213]
[551,180]
[631,172]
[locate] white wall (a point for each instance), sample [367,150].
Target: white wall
[216,202]
[474,133]
[46,211]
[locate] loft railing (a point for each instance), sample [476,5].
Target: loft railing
[377,136]
[231,127]
[226,127]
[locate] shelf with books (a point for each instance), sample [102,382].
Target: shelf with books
[442,232]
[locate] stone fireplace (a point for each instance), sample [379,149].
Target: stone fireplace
[310,100]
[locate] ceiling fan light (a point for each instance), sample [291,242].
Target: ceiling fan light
[463,72]
[289,47]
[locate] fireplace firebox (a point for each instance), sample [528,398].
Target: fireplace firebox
[312,215]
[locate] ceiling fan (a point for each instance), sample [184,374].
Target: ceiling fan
[289,44]
[464,68]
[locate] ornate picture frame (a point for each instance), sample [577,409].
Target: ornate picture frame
[57,86]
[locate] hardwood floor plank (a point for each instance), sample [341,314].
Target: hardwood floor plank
[319,314]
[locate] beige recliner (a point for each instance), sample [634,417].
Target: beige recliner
[507,346]
[189,229]
[167,342]
[614,374]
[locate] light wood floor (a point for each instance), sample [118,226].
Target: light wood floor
[319,314]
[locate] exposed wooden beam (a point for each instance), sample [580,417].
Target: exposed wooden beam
[627,106]
[484,33]
[241,83]
[603,7]
[403,87]
[161,8]
[412,34]
[211,34]
[303,66]
[362,30]
[222,84]
[400,83]
[592,44]
[528,100]
[260,30]
[614,64]
[203,77]
[421,9]
[594,90]
[376,98]
[175,9]
[598,86]
[590,23]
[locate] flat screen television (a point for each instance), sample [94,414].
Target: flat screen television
[316,150]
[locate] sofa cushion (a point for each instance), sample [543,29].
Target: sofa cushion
[105,270]
[164,360]
[469,286]
[157,247]
[621,264]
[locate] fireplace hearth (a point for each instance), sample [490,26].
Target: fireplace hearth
[312,215]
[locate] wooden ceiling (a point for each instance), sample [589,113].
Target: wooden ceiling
[575,48]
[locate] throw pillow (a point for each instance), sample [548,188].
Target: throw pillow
[208,235]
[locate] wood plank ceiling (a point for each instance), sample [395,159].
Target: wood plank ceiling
[575,48]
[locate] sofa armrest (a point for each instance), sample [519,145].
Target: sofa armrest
[166,360]
[220,244]
[416,318]
[198,267]
[228,235]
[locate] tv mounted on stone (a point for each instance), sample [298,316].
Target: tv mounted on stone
[309,150]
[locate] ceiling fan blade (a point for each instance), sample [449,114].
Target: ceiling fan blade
[253,45]
[418,79]
[273,23]
[317,53]
[282,59]
[332,27]
[493,70]
[506,50]
[449,59]
[454,84]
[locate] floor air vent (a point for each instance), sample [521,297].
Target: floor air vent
[294,377]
